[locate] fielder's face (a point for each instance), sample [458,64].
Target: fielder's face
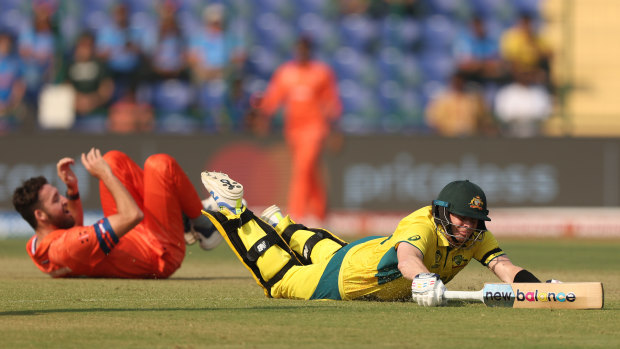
[462,227]
[54,207]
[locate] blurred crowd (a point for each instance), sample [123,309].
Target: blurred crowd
[455,68]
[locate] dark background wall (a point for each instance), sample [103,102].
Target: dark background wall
[380,173]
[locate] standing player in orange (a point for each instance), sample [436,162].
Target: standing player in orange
[308,91]
[141,234]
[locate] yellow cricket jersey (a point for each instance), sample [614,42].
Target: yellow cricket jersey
[369,267]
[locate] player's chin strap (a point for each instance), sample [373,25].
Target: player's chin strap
[442,218]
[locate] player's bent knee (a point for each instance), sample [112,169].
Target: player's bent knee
[311,245]
[115,156]
[160,162]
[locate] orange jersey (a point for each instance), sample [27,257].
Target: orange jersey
[155,248]
[95,251]
[308,92]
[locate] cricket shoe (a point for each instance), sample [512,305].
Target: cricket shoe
[206,234]
[226,192]
[272,215]
[208,238]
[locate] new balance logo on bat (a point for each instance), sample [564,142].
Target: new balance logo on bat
[536,296]
[499,296]
[545,296]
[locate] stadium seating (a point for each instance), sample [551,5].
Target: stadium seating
[390,64]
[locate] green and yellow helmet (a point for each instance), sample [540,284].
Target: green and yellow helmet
[462,198]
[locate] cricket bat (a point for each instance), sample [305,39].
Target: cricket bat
[568,295]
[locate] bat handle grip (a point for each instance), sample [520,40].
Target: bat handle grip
[464,295]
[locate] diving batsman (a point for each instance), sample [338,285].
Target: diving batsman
[427,249]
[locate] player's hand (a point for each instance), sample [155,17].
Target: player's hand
[427,290]
[553,281]
[65,173]
[95,164]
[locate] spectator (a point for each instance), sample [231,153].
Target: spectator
[92,85]
[37,50]
[12,86]
[128,114]
[215,49]
[214,53]
[168,51]
[477,54]
[523,105]
[524,48]
[119,45]
[308,91]
[172,94]
[459,112]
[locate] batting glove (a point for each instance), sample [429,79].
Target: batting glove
[553,281]
[427,290]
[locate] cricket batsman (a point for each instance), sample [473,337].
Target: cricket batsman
[142,233]
[429,247]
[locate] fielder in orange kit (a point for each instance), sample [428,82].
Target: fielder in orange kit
[307,88]
[142,232]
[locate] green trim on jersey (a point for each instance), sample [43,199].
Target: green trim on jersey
[387,269]
[328,284]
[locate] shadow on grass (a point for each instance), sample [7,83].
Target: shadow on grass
[114,310]
[210,278]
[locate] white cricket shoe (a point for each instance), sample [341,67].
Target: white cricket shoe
[210,241]
[272,215]
[226,192]
[207,236]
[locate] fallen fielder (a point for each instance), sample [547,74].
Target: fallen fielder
[428,248]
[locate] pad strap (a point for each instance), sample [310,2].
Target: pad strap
[261,247]
[250,256]
[287,234]
[279,275]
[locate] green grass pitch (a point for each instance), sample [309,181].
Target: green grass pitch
[213,302]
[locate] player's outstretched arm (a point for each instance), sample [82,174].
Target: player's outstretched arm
[128,213]
[426,288]
[67,176]
[410,261]
[503,268]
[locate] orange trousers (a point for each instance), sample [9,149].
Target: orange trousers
[163,192]
[307,195]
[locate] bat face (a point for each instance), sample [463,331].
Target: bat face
[575,295]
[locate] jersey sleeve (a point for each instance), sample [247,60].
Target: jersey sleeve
[414,233]
[82,248]
[488,249]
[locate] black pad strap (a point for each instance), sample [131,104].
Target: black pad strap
[235,223]
[327,235]
[287,234]
[309,245]
[261,247]
[279,275]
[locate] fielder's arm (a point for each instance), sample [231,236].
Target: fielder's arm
[410,261]
[128,213]
[66,175]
